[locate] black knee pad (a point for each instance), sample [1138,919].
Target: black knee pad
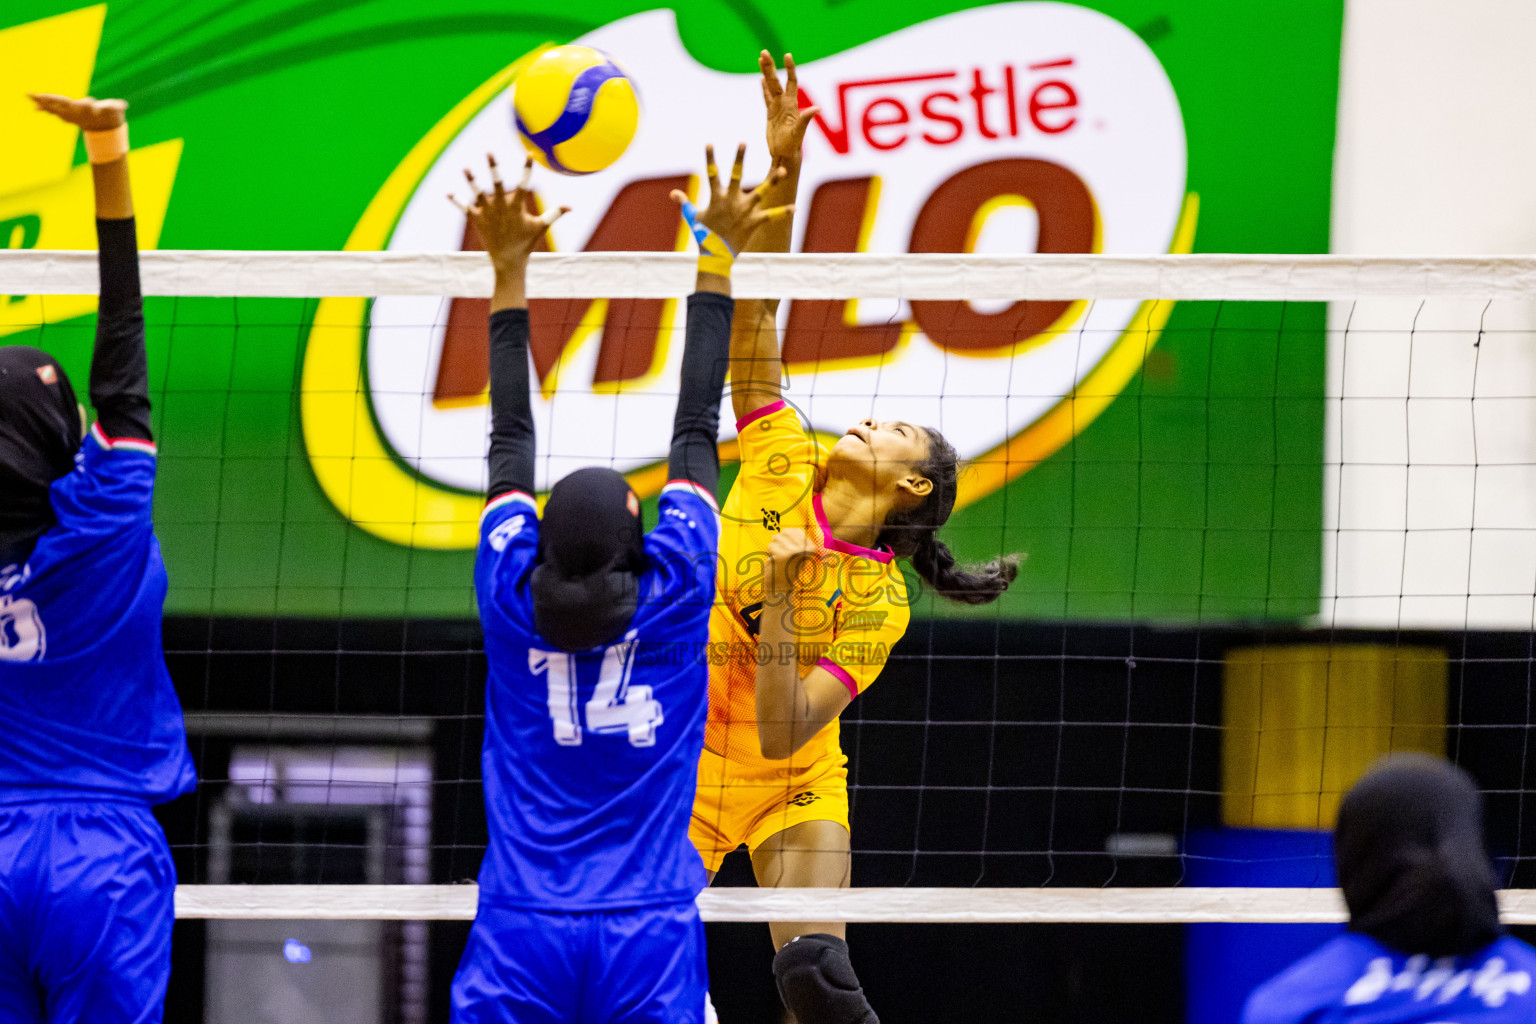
[817,983]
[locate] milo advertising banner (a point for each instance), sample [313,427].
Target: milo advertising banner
[325,457]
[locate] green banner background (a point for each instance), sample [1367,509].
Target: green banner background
[1196,495]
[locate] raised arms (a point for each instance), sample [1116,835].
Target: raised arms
[509,232]
[733,218]
[755,366]
[119,367]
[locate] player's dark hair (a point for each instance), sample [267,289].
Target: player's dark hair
[1411,861]
[39,436]
[912,533]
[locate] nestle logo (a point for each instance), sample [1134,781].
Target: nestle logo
[942,107]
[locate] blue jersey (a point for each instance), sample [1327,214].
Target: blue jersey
[591,759]
[88,705]
[1356,979]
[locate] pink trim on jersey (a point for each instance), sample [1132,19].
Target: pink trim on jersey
[131,444]
[689,487]
[879,555]
[757,414]
[841,674]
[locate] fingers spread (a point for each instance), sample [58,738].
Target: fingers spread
[522,184]
[496,186]
[678,197]
[741,156]
[548,217]
[790,84]
[712,169]
[455,201]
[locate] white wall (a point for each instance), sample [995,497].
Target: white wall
[1430,492]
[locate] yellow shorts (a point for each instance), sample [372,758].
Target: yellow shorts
[736,805]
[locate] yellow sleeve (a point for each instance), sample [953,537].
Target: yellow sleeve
[778,464]
[866,631]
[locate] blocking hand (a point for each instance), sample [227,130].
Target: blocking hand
[735,213]
[508,231]
[87,113]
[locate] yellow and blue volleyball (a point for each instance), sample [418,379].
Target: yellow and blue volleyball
[575,109]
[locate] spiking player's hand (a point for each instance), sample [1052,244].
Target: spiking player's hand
[787,123]
[508,231]
[733,213]
[87,113]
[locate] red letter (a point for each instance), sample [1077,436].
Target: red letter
[949,119]
[837,139]
[818,329]
[979,93]
[1013,102]
[1038,104]
[869,121]
[1066,212]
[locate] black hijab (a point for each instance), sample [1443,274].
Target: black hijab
[1409,849]
[586,585]
[39,436]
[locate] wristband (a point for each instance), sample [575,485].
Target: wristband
[106,146]
[715,257]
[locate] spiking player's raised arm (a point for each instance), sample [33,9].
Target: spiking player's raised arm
[94,735]
[808,565]
[755,366]
[591,749]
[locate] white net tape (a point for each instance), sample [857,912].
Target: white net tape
[911,906]
[1201,276]
[1197,277]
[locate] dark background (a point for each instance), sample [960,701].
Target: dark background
[988,754]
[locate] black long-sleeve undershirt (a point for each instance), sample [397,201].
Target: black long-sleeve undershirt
[512,443]
[119,366]
[695,426]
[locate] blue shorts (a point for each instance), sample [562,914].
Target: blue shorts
[86,906]
[641,966]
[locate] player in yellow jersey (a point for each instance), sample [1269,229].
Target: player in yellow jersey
[810,602]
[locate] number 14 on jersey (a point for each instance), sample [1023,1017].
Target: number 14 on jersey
[615,707]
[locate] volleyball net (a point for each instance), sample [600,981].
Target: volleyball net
[1278,513]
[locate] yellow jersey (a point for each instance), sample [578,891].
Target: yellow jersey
[848,617]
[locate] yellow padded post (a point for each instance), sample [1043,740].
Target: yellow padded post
[1301,724]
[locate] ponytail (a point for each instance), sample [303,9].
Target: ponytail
[912,533]
[981,584]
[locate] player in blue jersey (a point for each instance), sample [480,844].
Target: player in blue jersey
[594,635]
[1424,942]
[93,731]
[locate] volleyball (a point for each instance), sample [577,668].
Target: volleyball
[575,109]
